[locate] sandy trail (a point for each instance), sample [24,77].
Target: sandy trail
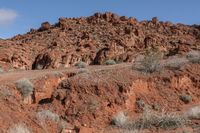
[33,74]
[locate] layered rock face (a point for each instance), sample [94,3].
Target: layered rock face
[94,40]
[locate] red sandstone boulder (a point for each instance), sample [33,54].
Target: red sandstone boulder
[45,26]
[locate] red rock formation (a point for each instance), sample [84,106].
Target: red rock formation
[85,38]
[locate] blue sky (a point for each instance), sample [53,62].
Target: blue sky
[18,16]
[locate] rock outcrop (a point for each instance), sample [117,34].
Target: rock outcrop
[94,40]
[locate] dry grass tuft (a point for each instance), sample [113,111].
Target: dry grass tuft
[19,128]
[194,113]
[150,62]
[120,119]
[25,87]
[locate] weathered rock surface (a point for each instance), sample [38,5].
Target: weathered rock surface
[94,40]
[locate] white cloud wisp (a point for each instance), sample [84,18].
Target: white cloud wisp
[7,16]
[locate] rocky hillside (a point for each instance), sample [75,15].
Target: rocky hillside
[101,74]
[94,40]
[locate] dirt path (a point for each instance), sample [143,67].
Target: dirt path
[33,74]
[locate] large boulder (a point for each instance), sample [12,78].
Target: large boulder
[45,26]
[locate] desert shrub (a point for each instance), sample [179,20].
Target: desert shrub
[47,115]
[5,92]
[1,70]
[110,62]
[150,119]
[194,113]
[140,103]
[176,63]
[164,120]
[129,131]
[62,126]
[81,64]
[93,105]
[186,98]
[56,73]
[119,62]
[120,119]
[83,70]
[150,62]
[25,87]
[193,56]
[156,107]
[19,128]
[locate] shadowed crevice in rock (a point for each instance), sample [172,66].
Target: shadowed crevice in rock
[42,62]
[45,101]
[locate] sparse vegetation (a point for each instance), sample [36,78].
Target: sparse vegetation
[120,119]
[150,62]
[47,115]
[81,64]
[150,119]
[186,98]
[129,131]
[140,103]
[5,92]
[57,73]
[194,113]
[1,69]
[93,105]
[194,56]
[156,107]
[110,62]
[185,132]
[164,120]
[25,87]
[83,70]
[19,128]
[175,63]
